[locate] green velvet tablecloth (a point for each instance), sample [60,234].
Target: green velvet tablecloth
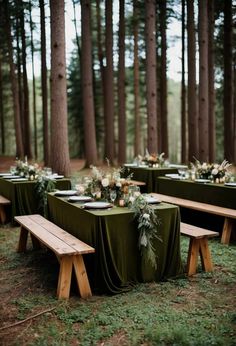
[117,263]
[23,197]
[215,194]
[148,175]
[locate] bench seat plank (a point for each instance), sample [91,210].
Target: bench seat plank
[3,203]
[196,232]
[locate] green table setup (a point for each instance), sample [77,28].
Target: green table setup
[210,193]
[148,175]
[117,263]
[23,196]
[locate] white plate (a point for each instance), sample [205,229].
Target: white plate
[2,174]
[130,164]
[65,193]
[173,176]
[151,199]
[79,199]
[230,184]
[10,176]
[97,205]
[55,176]
[178,166]
[202,181]
[20,179]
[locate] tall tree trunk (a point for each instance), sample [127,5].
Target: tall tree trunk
[151,85]
[14,86]
[20,75]
[137,139]
[44,86]
[76,31]
[203,83]
[228,82]
[33,84]
[211,79]
[27,134]
[109,92]
[121,87]
[60,160]
[183,93]
[163,86]
[2,127]
[192,95]
[87,86]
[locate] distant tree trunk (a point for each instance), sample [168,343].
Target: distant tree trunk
[121,87]
[44,85]
[2,127]
[150,27]
[192,95]
[211,79]
[163,86]
[33,84]
[19,76]
[203,83]
[228,82]
[183,93]
[27,134]
[137,140]
[60,160]
[14,86]
[109,93]
[87,86]
[76,31]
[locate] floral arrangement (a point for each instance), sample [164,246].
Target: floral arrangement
[29,171]
[147,227]
[154,159]
[103,181]
[212,171]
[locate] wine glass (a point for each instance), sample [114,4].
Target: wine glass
[182,173]
[113,195]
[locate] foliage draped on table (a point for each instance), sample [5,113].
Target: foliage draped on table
[147,227]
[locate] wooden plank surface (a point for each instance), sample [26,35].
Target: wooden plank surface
[207,208]
[196,232]
[4,200]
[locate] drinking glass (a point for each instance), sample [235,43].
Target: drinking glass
[113,195]
[182,173]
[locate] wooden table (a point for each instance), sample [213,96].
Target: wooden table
[117,263]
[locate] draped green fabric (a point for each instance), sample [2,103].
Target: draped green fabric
[117,264]
[23,197]
[148,175]
[215,194]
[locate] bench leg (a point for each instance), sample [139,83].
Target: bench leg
[23,240]
[81,277]
[205,255]
[36,243]
[193,253]
[64,280]
[2,214]
[227,229]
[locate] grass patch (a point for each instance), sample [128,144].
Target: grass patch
[200,310]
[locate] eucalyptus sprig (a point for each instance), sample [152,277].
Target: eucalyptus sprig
[148,228]
[43,186]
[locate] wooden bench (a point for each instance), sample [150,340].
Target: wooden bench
[198,245]
[3,203]
[68,249]
[227,213]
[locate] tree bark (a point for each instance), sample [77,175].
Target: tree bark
[211,79]
[87,86]
[2,127]
[121,87]
[163,88]
[192,94]
[44,86]
[228,83]
[137,134]
[183,93]
[14,86]
[109,93]
[151,85]
[27,133]
[60,160]
[33,85]
[203,83]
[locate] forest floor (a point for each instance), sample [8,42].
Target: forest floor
[198,310]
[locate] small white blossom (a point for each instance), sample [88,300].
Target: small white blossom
[143,240]
[105,182]
[146,216]
[214,171]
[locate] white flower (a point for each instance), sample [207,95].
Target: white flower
[146,216]
[105,182]
[215,171]
[143,240]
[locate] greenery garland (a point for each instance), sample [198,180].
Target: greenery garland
[147,227]
[43,186]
